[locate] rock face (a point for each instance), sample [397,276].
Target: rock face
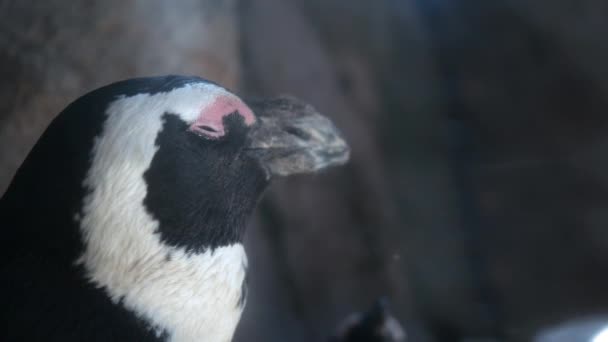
[522,87]
[54,51]
[330,236]
[476,196]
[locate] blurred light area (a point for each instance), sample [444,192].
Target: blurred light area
[602,336]
[591,329]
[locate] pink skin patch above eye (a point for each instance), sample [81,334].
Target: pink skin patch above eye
[210,121]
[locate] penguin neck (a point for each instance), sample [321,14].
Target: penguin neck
[185,294]
[41,209]
[170,255]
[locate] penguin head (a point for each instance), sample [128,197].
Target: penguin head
[180,151]
[144,188]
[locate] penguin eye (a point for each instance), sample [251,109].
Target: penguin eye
[207,129]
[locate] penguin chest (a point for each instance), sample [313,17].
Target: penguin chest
[185,297]
[203,296]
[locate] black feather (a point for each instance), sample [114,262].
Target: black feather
[45,296]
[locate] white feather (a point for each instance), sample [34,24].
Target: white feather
[193,297]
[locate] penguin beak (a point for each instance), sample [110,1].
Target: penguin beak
[291,137]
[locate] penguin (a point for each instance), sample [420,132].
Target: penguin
[374,325]
[126,220]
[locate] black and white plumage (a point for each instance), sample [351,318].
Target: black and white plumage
[374,325]
[125,221]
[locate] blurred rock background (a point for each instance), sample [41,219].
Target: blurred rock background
[476,198]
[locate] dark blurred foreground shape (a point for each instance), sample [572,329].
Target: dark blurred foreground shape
[476,196]
[377,324]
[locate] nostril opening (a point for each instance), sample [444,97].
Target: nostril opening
[298,133]
[207,128]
